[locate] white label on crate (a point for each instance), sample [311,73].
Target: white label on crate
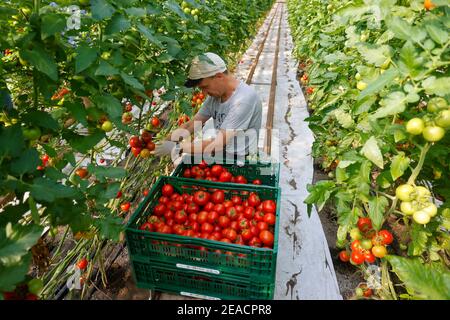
[185,266]
[200,296]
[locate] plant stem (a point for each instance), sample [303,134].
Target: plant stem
[417,169]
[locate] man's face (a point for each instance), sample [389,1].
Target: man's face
[211,86]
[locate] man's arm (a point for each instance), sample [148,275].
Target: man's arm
[187,127]
[217,144]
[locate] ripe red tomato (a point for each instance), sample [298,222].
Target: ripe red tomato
[203,164]
[218,196]
[169,214]
[159,210]
[216,170]
[387,236]
[249,212]
[220,209]
[201,198]
[231,213]
[259,216]
[364,224]
[150,146]
[357,257]
[147,226]
[229,234]
[246,234]
[225,177]
[269,218]
[146,136]
[155,122]
[135,142]
[187,173]
[269,206]
[180,216]
[145,192]
[236,200]
[254,200]
[261,225]
[255,242]
[213,217]
[344,256]
[356,246]
[257,181]
[227,204]
[369,257]
[202,217]
[240,179]
[243,223]
[82,264]
[224,221]
[266,237]
[125,206]
[167,190]
[81,172]
[207,227]
[164,200]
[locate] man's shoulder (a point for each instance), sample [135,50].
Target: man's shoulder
[248,92]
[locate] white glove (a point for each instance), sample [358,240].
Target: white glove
[164,148]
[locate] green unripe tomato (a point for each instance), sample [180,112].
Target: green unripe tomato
[35,286]
[32,133]
[443,119]
[421,217]
[436,104]
[359,292]
[431,209]
[422,194]
[107,126]
[366,244]
[355,234]
[358,76]
[415,126]
[187,10]
[361,85]
[405,192]
[407,208]
[433,133]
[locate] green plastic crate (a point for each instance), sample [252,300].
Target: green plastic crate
[258,264]
[160,277]
[267,172]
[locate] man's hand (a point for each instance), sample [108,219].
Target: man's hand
[164,148]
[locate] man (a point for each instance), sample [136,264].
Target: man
[233,105]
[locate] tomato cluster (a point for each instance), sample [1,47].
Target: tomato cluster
[209,215]
[367,244]
[416,201]
[127,116]
[197,99]
[304,78]
[143,145]
[216,173]
[183,119]
[433,125]
[45,158]
[363,291]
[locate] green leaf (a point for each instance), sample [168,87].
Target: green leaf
[402,30]
[137,12]
[149,35]
[427,281]
[399,164]
[27,162]
[439,87]
[117,24]
[42,119]
[84,143]
[51,24]
[105,69]
[374,54]
[110,228]
[377,209]
[132,81]
[319,194]
[48,190]
[394,103]
[410,62]
[376,86]
[78,111]
[341,235]
[372,151]
[348,218]
[344,119]
[14,273]
[42,61]
[175,8]
[11,141]
[110,104]
[12,213]
[34,210]
[16,240]
[107,172]
[419,238]
[437,32]
[101,9]
[84,58]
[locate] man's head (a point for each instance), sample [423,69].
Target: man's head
[208,72]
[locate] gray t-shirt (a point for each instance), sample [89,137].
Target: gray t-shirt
[241,112]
